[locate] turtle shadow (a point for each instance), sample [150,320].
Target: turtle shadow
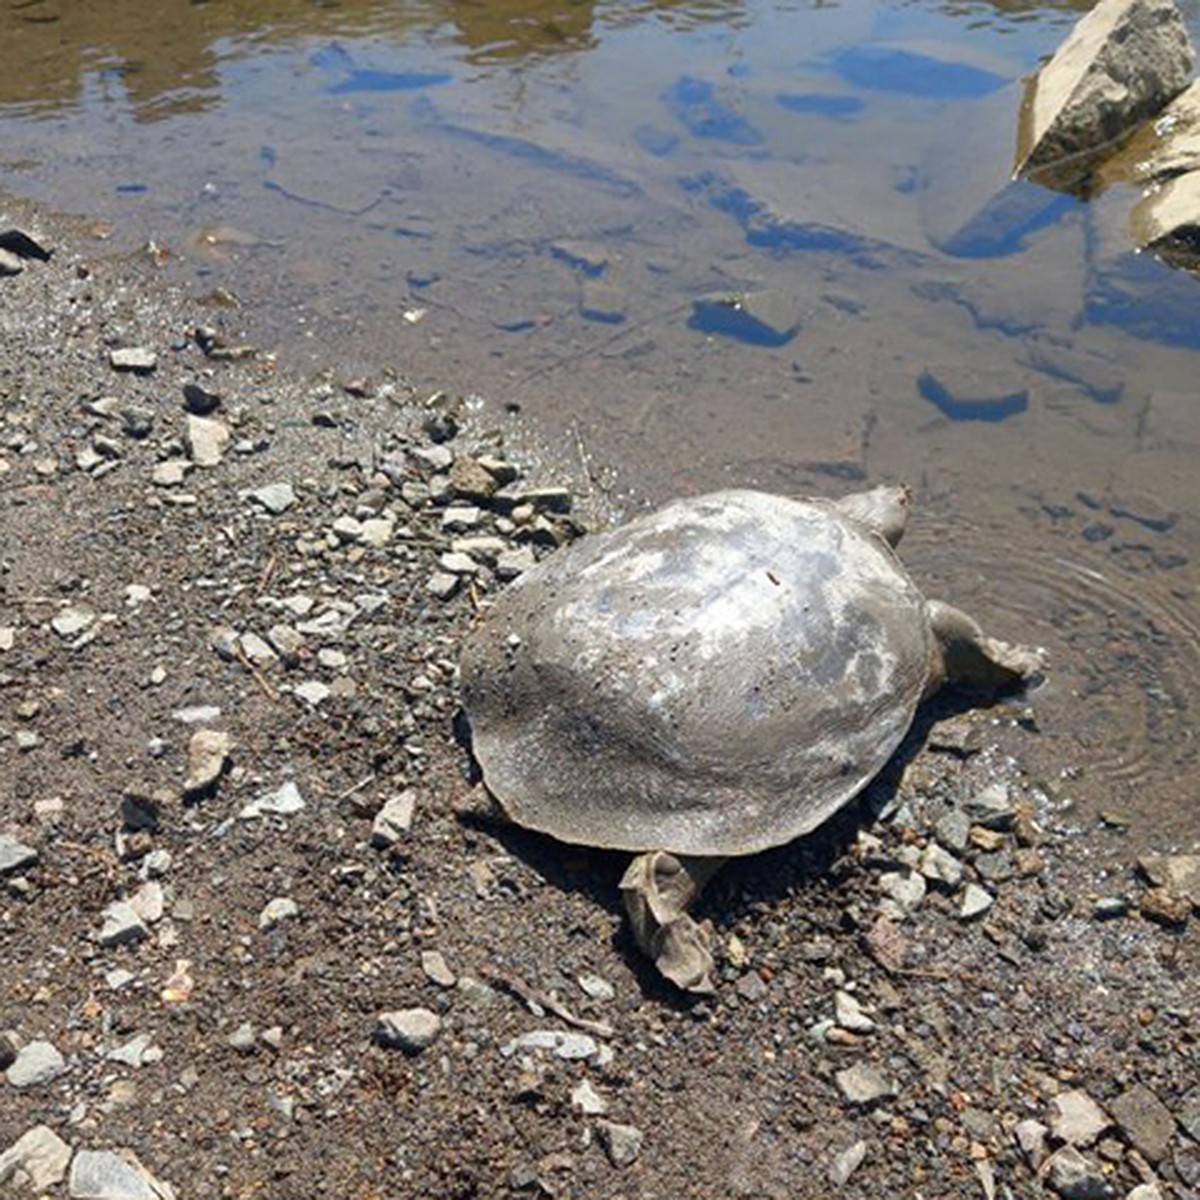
[766,878]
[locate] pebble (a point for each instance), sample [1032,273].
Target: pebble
[849,1014]
[257,651]
[456,563]
[14,855]
[565,1045]
[283,801]
[409,1029]
[596,987]
[587,1100]
[148,902]
[71,622]
[905,888]
[512,563]
[281,908]
[137,359]
[137,1052]
[953,830]
[1164,907]
[1031,1137]
[207,757]
[1108,908]
[312,691]
[975,902]
[394,820]
[940,866]
[37,1160]
[1145,1121]
[847,1163]
[433,963]
[1145,1191]
[623,1143]
[10,263]
[114,1175]
[36,1063]
[243,1039]
[276,498]
[207,440]
[992,808]
[1074,1117]
[1075,1177]
[442,585]
[199,400]
[1179,873]
[170,473]
[122,925]
[863,1084]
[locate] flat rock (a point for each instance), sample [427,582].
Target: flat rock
[122,925]
[14,855]
[567,1045]
[36,1063]
[71,622]
[409,1029]
[394,820]
[864,1084]
[1145,1120]
[207,757]
[975,902]
[968,391]
[847,1162]
[433,963]
[37,1160]
[114,1175]
[1121,64]
[585,1099]
[1075,1177]
[276,498]
[1075,1118]
[283,801]
[207,440]
[1166,221]
[623,1143]
[136,359]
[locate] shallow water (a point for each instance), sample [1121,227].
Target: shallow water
[542,203]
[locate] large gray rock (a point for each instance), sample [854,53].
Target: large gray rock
[1122,63]
[1166,221]
[35,1064]
[35,1161]
[109,1175]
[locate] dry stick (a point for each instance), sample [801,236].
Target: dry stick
[357,787]
[259,678]
[522,990]
[268,571]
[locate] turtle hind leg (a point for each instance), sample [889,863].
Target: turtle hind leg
[968,657]
[658,888]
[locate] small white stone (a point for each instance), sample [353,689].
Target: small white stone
[409,1029]
[313,692]
[975,902]
[587,1100]
[394,820]
[72,621]
[849,1014]
[283,801]
[282,908]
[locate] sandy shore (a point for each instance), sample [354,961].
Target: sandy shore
[247,938]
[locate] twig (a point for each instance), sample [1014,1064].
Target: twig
[530,996]
[358,787]
[259,678]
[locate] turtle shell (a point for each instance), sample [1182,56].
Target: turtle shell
[713,678]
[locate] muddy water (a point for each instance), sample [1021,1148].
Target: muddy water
[543,203]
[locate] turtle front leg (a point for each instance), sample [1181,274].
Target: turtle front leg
[965,655]
[658,888]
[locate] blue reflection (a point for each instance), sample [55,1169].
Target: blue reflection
[695,105]
[910,73]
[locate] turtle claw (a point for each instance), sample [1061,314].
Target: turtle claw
[657,889]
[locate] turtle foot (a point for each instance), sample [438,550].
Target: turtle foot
[657,889]
[969,658]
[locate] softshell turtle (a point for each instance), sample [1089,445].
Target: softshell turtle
[708,680]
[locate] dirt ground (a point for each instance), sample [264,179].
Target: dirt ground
[949,992]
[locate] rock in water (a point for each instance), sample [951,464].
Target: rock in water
[1120,65]
[1166,221]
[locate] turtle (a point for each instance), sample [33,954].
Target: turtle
[709,680]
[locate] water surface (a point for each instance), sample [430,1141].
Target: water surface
[549,204]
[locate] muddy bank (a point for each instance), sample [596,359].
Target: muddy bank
[250,933]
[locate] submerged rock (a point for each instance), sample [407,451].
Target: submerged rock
[1120,65]
[1167,221]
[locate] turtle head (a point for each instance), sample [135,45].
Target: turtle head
[883,510]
